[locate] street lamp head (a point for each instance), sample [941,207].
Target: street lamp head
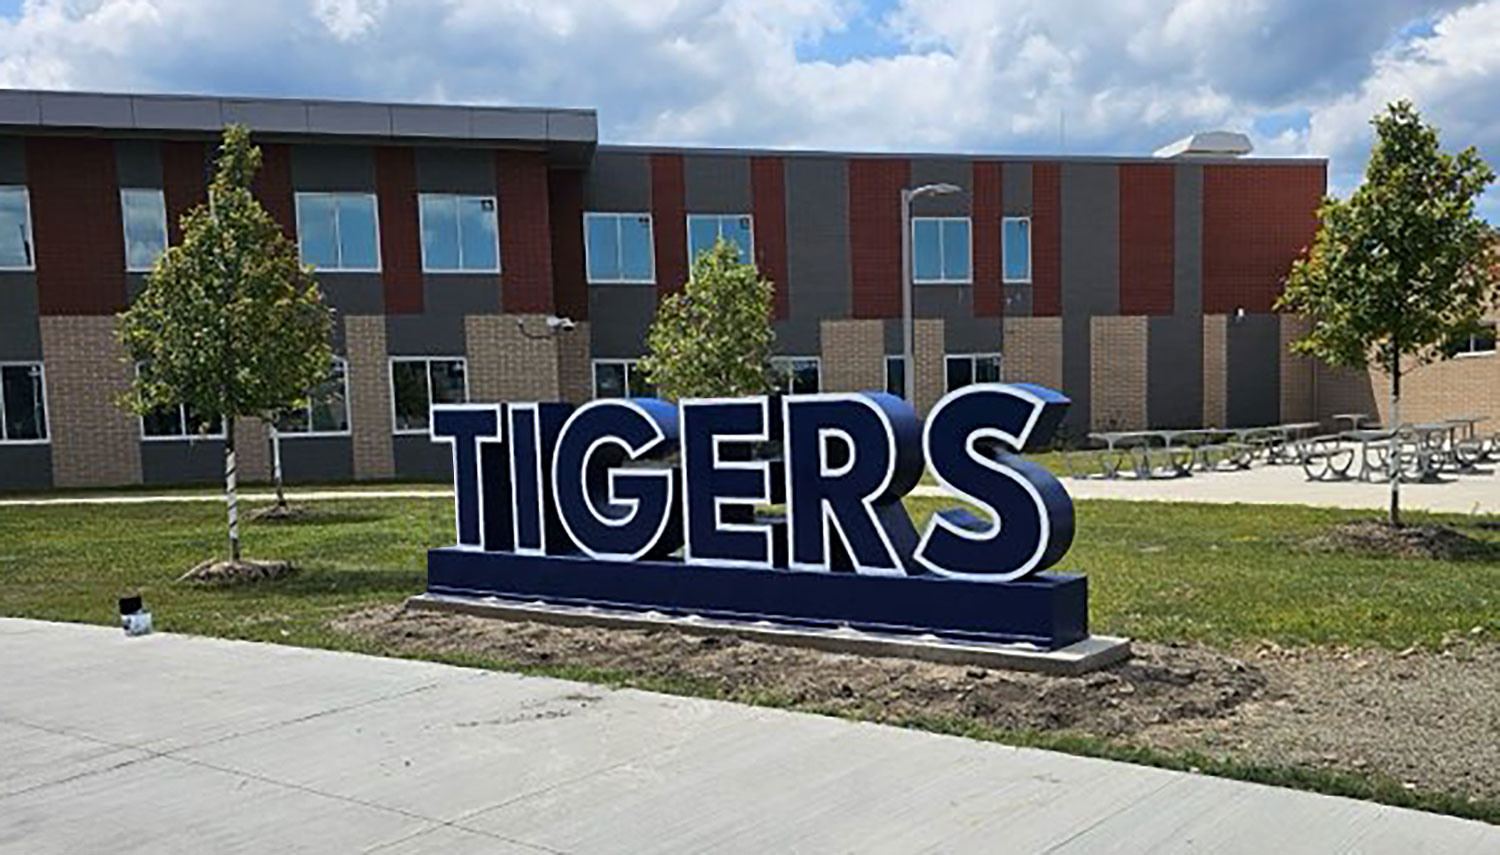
[943,189]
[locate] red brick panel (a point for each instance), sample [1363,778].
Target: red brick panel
[273,186]
[400,233]
[668,221]
[875,186]
[76,227]
[989,297]
[1046,239]
[1256,221]
[768,191]
[525,233]
[184,183]
[1147,232]
[570,289]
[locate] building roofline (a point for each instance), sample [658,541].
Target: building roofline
[1031,157]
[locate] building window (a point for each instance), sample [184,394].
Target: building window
[797,375]
[619,248]
[15,229]
[972,368]
[180,422]
[338,232]
[419,382]
[459,233]
[620,378]
[144,213]
[1481,342]
[940,249]
[895,375]
[327,410]
[1015,243]
[23,402]
[704,230]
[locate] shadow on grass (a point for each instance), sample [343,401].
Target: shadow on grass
[323,580]
[316,516]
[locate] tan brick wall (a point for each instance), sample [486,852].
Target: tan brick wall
[1033,351]
[1117,372]
[507,365]
[369,397]
[1215,370]
[929,350]
[853,355]
[252,440]
[575,379]
[95,443]
[1468,385]
[1297,403]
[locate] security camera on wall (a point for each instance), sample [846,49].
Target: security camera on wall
[560,324]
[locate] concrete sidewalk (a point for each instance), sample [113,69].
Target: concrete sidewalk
[181,744]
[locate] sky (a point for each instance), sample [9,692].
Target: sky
[1301,77]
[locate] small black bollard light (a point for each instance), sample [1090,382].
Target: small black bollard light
[134,616]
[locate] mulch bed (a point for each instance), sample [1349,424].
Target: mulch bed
[221,572]
[1370,537]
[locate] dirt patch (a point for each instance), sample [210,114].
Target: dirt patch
[1369,537]
[1160,684]
[1430,719]
[219,572]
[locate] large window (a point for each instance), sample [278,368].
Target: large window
[895,375]
[180,422]
[327,410]
[144,213]
[620,378]
[23,402]
[972,368]
[1015,247]
[337,231]
[459,233]
[1481,342]
[940,249]
[419,382]
[15,229]
[704,230]
[797,375]
[619,248]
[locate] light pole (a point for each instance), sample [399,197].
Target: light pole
[908,322]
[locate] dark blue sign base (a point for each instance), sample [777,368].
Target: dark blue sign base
[1049,610]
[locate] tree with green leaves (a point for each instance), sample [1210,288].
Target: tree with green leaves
[1402,267]
[231,324]
[713,338]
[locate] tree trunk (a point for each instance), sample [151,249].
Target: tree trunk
[1395,425]
[231,490]
[276,466]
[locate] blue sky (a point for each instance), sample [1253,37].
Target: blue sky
[1302,77]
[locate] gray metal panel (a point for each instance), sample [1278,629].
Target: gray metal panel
[572,125]
[138,163]
[716,184]
[333,167]
[934,170]
[267,115]
[156,111]
[135,283]
[12,160]
[1015,189]
[1174,371]
[86,110]
[455,170]
[431,122]
[460,294]
[180,461]
[1090,272]
[25,467]
[509,124]
[427,334]
[817,234]
[332,117]
[1187,275]
[621,315]
[1017,300]
[419,458]
[963,332]
[1027,159]
[618,182]
[20,108]
[317,459]
[1254,382]
[353,293]
[20,334]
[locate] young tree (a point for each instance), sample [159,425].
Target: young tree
[713,338]
[231,324]
[1403,266]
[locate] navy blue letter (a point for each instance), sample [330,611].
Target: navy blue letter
[463,426]
[717,478]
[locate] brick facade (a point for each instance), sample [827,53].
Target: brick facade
[1215,370]
[525,236]
[875,185]
[95,443]
[929,350]
[1117,373]
[1298,391]
[853,355]
[1033,351]
[371,422]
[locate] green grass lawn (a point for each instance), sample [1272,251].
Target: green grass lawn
[1220,574]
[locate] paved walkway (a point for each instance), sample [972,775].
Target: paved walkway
[180,744]
[291,496]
